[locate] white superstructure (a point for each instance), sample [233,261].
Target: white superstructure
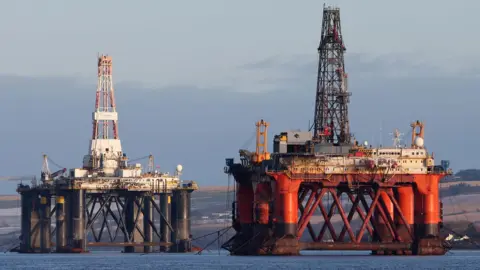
[361,159]
[386,160]
[106,167]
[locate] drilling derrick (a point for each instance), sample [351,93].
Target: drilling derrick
[331,125]
[105,146]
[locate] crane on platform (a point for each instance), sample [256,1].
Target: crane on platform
[46,175]
[261,151]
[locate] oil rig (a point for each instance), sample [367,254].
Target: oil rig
[322,190]
[108,202]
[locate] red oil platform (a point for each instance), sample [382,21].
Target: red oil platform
[322,190]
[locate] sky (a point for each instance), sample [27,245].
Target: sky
[192,77]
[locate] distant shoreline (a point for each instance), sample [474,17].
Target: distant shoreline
[15,197]
[9,197]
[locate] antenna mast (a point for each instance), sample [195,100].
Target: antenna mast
[151,164]
[331,124]
[397,138]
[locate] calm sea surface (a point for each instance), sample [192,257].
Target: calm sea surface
[212,260]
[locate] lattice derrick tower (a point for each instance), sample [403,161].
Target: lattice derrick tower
[105,115]
[331,124]
[105,143]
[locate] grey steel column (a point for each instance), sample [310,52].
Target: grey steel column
[45,223]
[61,229]
[35,223]
[78,221]
[147,217]
[165,208]
[25,244]
[129,221]
[181,221]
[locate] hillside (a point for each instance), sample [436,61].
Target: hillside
[467,175]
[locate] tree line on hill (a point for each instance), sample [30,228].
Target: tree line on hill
[463,176]
[462,187]
[459,189]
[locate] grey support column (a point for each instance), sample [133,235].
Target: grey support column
[45,223]
[133,223]
[25,241]
[181,221]
[79,243]
[165,209]
[35,223]
[147,217]
[61,224]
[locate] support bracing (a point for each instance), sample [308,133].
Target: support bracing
[135,221]
[336,217]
